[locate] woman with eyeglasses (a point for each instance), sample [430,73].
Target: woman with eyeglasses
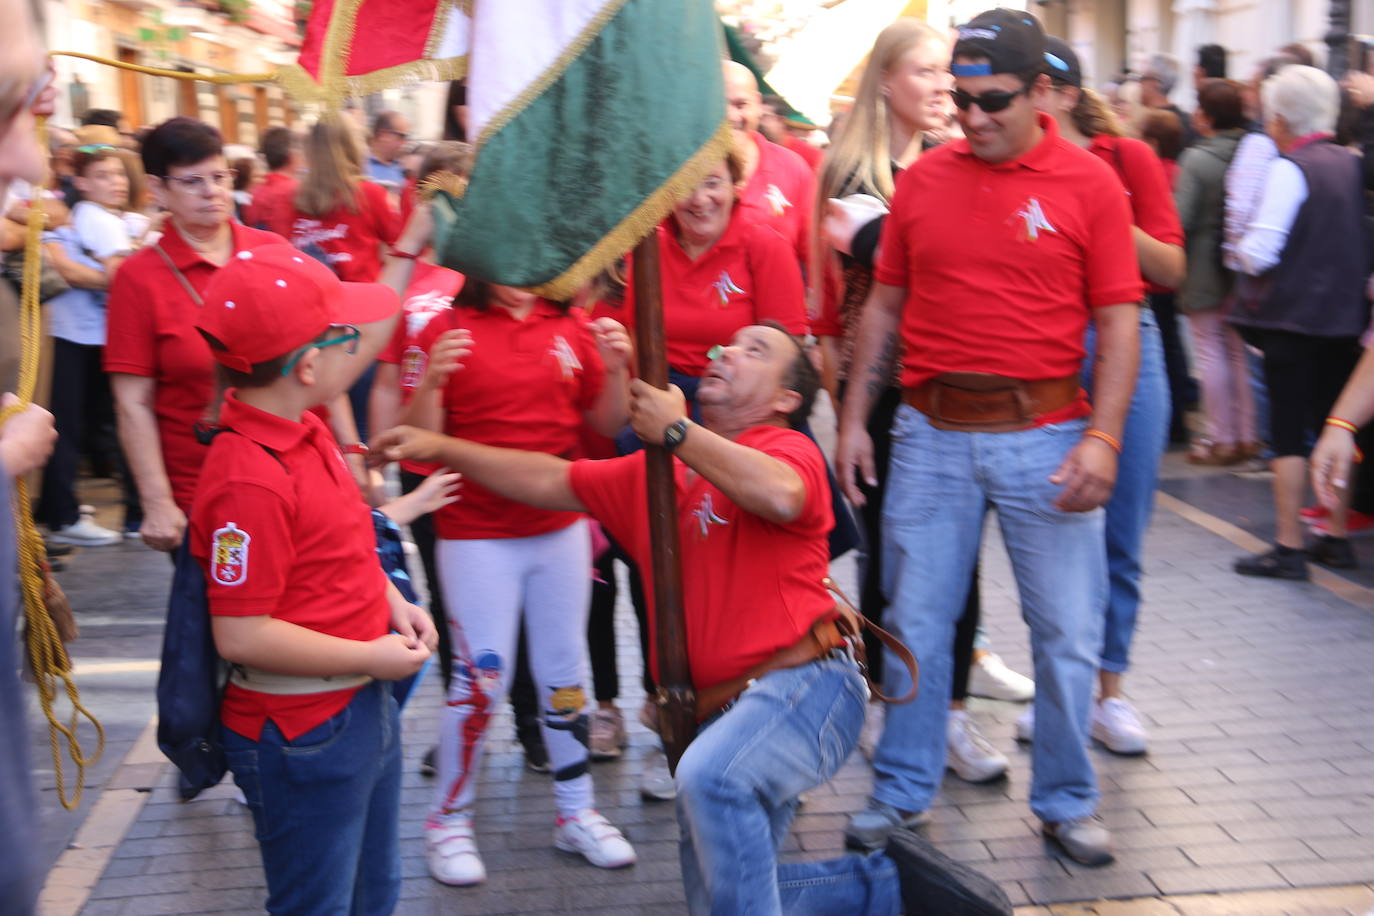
[1085,119]
[160,368]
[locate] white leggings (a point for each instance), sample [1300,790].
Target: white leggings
[486,585]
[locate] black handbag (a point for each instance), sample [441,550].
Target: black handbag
[190,686]
[933,884]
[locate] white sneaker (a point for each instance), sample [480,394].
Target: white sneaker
[968,753]
[451,851]
[1117,726]
[1025,725]
[991,678]
[85,533]
[655,783]
[592,836]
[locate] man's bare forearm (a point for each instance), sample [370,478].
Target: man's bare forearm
[1114,366]
[756,482]
[533,478]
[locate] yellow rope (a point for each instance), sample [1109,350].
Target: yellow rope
[47,656]
[224,78]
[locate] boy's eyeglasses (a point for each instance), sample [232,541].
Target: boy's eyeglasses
[196,184]
[348,340]
[990,102]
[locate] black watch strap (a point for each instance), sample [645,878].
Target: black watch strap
[674,434]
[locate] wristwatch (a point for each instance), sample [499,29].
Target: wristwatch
[674,434]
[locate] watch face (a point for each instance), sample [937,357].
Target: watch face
[674,434]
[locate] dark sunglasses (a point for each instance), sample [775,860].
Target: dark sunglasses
[990,102]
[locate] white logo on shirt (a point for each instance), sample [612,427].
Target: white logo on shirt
[705,514]
[1033,220]
[724,286]
[567,359]
[422,307]
[777,201]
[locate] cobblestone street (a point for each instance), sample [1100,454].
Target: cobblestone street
[1259,784]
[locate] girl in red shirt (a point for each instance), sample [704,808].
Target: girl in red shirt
[335,212]
[506,368]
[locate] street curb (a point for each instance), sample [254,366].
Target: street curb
[70,881]
[1342,587]
[1353,899]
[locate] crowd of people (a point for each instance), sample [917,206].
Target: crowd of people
[998,276]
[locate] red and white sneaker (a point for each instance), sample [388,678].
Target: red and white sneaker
[451,852]
[591,836]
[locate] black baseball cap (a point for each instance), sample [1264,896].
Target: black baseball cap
[1012,42]
[1061,63]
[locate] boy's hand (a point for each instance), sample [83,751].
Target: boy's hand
[438,490]
[415,624]
[446,357]
[613,343]
[405,443]
[394,657]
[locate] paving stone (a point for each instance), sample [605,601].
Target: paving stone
[1214,854]
[1222,878]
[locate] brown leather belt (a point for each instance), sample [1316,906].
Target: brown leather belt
[977,402]
[842,632]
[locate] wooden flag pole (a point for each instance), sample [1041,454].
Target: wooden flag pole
[676,699]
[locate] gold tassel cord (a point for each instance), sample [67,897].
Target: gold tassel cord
[221,78]
[47,656]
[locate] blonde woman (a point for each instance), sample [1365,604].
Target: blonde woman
[337,214]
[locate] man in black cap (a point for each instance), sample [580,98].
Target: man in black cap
[998,250]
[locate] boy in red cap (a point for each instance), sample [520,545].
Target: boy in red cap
[300,606]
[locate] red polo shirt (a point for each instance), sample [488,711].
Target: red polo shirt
[283,533]
[526,385]
[1147,186]
[811,155]
[430,293]
[271,207]
[749,586]
[780,194]
[152,333]
[749,275]
[1001,263]
[352,240]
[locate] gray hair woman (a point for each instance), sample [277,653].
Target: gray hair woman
[1307,246]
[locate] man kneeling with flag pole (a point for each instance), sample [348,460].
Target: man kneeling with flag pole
[781,697]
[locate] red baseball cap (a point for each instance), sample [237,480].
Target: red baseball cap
[268,301]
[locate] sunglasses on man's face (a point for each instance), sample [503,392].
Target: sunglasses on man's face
[990,102]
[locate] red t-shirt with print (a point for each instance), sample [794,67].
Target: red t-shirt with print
[749,586]
[1002,263]
[781,193]
[526,384]
[1147,183]
[352,240]
[430,293]
[285,534]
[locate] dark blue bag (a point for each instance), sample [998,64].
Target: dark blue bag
[392,555]
[190,685]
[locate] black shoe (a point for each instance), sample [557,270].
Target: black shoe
[428,766]
[1333,553]
[933,884]
[54,549]
[531,737]
[1279,563]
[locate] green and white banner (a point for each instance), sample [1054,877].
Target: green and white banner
[590,117]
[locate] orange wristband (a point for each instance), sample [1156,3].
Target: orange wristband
[1342,424]
[1105,437]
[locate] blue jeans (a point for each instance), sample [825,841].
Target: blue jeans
[940,485]
[326,808]
[1133,499]
[737,788]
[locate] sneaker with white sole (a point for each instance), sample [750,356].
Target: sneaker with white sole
[968,753]
[451,852]
[607,737]
[1025,726]
[1117,726]
[655,782]
[85,533]
[591,836]
[991,678]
